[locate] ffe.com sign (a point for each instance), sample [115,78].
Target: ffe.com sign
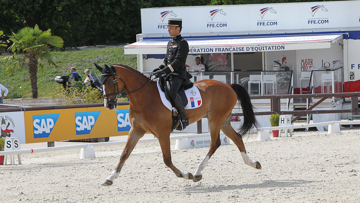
[254,17]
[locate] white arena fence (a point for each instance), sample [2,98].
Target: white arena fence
[87,150]
[333,127]
[182,141]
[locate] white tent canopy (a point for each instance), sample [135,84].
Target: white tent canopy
[237,45]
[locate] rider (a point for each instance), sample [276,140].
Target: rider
[174,66]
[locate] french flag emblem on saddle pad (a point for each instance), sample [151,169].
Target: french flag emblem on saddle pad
[192,94]
[195,103]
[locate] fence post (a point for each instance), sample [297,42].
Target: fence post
[354,106]
[199,126]
[275,104]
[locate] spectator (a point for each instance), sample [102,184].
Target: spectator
[74,75]
[88,78]
[2,88]
[198,67]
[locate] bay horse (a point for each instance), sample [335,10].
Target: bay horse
[148,114]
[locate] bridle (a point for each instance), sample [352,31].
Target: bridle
[117,93]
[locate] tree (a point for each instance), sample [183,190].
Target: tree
[2,45]
[80,22]
[230,2]
[31,48]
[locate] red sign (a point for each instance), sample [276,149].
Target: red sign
[306,63]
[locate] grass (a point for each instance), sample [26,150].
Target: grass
[19,86]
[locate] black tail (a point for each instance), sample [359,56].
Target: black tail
[247,108]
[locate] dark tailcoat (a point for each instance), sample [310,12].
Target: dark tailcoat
[176,54]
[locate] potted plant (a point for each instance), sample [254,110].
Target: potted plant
[274,121]
[2,144]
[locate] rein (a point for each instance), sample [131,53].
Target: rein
[140,87]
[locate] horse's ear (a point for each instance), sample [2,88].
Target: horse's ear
[108,69]
[99,67]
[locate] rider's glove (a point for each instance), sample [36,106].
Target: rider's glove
[159,68]
[158,73]
[168,69]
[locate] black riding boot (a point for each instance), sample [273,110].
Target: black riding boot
[180,108]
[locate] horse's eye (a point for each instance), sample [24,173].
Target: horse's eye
[109,82]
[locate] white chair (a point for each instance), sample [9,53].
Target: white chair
[205,77]
[221,78]
[304,76]
[254,79]
[325,79]
[269,79]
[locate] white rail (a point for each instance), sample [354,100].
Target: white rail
[311,125]
[29,151]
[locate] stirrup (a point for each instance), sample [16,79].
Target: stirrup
[182,125]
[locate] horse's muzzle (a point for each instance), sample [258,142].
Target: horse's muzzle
[110,103]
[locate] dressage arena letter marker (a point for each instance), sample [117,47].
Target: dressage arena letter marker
[285,120]
[12,143]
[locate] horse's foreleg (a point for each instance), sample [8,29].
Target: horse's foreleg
[134,136]
[165,147]
[214,144]
[237,139]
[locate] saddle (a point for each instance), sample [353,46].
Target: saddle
[165,85]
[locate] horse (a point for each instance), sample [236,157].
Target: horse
[148,114]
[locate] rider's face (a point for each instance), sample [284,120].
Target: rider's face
[173,31]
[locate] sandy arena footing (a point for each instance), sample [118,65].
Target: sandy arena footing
[308,167]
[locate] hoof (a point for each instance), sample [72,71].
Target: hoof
[107,183]
[190,176]
[258,165]
[197,178]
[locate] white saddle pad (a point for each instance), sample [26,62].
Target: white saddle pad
[192,94]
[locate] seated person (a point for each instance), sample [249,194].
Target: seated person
[88,78]
[198,67]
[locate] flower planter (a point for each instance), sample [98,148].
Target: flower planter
[1,160]
[275,133]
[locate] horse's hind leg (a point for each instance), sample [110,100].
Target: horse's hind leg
[237,139]
[134,135]
[165,147]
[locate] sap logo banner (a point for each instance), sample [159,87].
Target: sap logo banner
[123,120]
[43,124]
[84,121]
